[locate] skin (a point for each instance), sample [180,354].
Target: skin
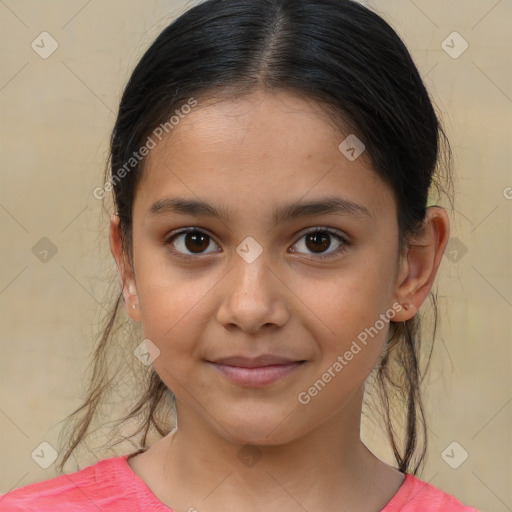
[253,155]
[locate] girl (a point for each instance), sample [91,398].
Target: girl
[271,166]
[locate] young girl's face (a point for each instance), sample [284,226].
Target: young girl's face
[254,283]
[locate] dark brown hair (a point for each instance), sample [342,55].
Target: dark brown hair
[346,58]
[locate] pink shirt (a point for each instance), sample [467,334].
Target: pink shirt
[110,485]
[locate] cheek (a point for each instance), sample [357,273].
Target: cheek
[170,295]
[352,317]
[173,310]
[347,359]
[351,300]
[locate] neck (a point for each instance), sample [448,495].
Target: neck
[328,467]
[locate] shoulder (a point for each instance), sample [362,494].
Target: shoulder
[416,495]
[94,487]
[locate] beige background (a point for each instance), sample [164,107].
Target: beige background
[57,114]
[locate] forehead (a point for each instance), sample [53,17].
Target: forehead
[255,152]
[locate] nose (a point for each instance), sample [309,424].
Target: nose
[253,296]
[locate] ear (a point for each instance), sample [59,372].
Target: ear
[418,266]
[125,274]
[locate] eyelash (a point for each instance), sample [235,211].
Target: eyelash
[336,234]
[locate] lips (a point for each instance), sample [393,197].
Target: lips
[255,362]
[256,371]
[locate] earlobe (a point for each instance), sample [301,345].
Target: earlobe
[125,275]
[419,266]
[405,312]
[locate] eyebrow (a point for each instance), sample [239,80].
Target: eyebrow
[322,206]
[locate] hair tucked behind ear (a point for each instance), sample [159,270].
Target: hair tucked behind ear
[337,53]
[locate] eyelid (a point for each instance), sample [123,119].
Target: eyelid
[332,231]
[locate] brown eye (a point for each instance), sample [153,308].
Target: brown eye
[190,242]
[320,240]
[196,242]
